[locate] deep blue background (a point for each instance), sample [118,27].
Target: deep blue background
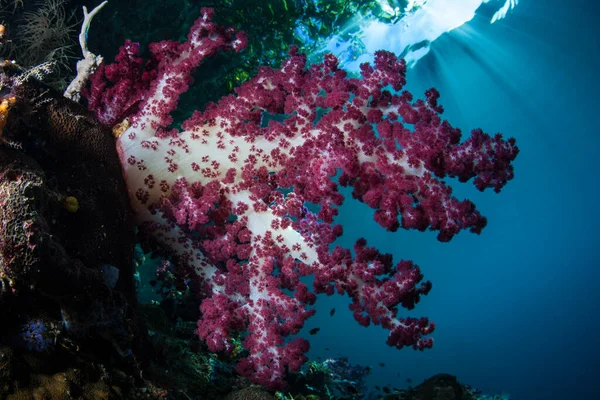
[517,307]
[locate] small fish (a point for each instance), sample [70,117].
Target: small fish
[386,389]
[332,312]
[314,331]
[153,282]
[327,348]
[377,387]
[382,365]
[408,380]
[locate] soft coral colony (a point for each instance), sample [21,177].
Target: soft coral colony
[227,195]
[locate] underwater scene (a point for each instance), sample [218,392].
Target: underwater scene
[299,199]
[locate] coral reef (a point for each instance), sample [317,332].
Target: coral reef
[54,297]
[237,208]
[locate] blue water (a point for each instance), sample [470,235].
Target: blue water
[516,307]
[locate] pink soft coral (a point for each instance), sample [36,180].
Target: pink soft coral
[226,196]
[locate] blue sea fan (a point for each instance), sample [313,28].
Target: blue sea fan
[34,336]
